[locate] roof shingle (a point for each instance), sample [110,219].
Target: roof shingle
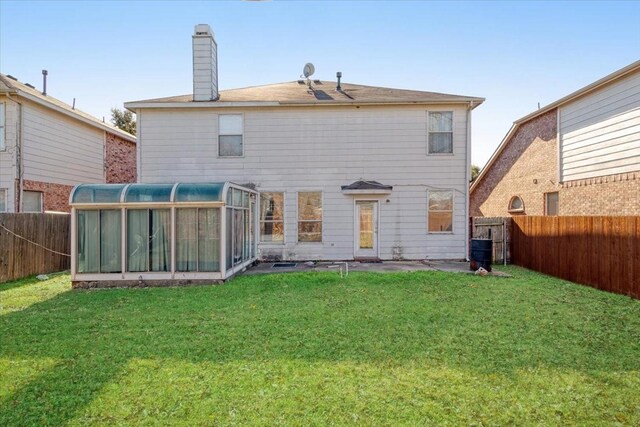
[321,92]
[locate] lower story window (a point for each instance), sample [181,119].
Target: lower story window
[99,241]
[148,240]
[3,200]
[198,239]
[310,216]
[440,218]
[552,201]
[32,201]
[272,217]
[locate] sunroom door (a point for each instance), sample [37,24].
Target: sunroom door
[366,229]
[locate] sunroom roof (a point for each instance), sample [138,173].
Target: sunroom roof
[149,193]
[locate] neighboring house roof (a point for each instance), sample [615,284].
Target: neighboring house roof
[634,67]
[320,93]
[11,86]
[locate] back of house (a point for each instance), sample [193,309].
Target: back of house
[343,171]
[577,156]
[48,146]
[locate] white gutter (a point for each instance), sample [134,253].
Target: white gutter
[467,162]
[132,106]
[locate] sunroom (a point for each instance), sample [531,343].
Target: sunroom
[160,234]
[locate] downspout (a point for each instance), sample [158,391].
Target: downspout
[467,162]
[19,160]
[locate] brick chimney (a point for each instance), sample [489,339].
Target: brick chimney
[205,64]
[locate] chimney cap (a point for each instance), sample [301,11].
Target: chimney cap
[203,30]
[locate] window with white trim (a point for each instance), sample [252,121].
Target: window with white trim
[3,200]
[440,216]
[516,205]
[31,201]
[272,217]
[2,127]
[230,135]
[440,132]
[310,216]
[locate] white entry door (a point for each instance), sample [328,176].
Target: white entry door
[366,229]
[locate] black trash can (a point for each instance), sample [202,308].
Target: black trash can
[481,254]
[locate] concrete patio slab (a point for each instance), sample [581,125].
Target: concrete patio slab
[384,266]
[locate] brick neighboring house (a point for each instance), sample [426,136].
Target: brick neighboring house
[47,147]
[577,156]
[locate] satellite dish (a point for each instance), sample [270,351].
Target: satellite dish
[308,70]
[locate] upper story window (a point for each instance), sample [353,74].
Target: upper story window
[31,201]
[272,217]
[2,126]
[440,132]
[440,218]
[230,135]
[310,216]
[516,205]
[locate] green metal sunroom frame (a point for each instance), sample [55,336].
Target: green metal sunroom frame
[164,196]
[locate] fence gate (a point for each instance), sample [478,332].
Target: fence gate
[499,231]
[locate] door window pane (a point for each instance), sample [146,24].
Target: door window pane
[366,225]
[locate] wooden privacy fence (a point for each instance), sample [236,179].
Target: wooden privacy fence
[33,243]
[599,251]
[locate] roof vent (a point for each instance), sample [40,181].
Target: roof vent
[30,85]
[11,77]
[339,76]
[44,82]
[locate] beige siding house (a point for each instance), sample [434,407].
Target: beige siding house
[577,156]
[343,171]
[47,147]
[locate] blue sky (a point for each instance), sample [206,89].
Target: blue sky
[513,54]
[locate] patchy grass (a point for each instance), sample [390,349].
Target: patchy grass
[315,349]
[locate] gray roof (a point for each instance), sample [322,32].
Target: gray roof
[10,86]
[321,92]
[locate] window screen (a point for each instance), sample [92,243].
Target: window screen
[32,201]
[440,211]
[230,135]
[440,132]
[310,216]
[272,217]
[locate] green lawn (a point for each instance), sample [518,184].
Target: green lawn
[315,349]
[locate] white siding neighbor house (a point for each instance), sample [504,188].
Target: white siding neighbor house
[48,146]
[344,171]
